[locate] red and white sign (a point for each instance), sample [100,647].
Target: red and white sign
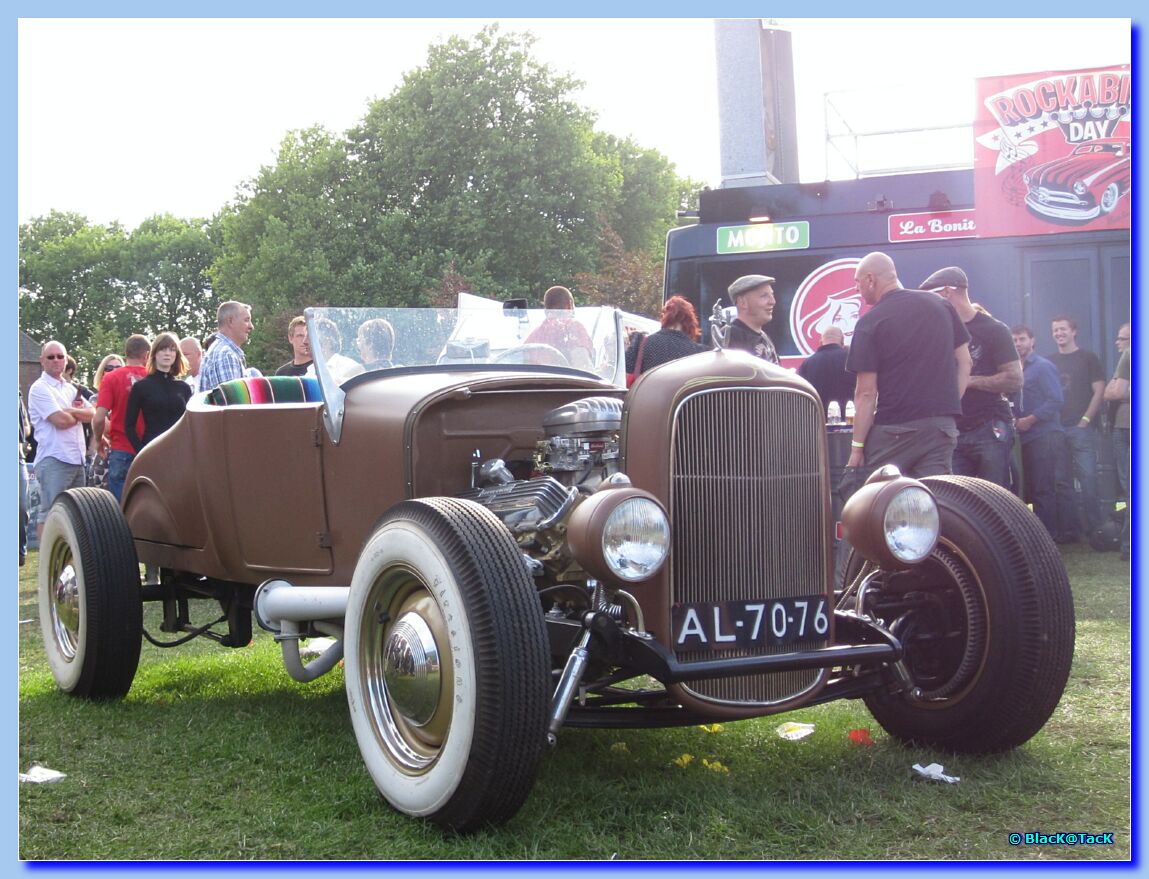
[828,297]
[1052,152]
[932,226]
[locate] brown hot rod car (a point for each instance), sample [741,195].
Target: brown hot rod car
[501,543]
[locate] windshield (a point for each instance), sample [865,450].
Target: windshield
[347,342]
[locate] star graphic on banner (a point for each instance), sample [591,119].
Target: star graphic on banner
[1010,149]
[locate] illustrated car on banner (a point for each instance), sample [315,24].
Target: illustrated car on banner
[501,544]
[1083,185]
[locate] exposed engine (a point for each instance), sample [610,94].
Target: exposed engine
[581,445]
[579,453]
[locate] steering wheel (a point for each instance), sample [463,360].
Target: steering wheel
[534,353]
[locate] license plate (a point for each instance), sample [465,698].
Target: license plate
[769,623]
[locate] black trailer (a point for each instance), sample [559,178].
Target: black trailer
[923,221]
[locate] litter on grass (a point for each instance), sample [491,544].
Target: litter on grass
[934,772]
[861,737]
[791,731]
[38,774]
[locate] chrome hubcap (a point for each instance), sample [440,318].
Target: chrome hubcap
[411,669]
[66,609]
[403,637]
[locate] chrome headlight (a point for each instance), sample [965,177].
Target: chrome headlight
[636,539]
[1080,188]
[892,520]
[911,524]
[620,533]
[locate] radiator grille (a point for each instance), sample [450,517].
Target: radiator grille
[748,512]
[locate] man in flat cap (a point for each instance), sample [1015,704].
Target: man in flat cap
[911,357]
[753,296]
[985,426]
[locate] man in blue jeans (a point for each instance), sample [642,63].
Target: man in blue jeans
[108,436]
[985,426]
[57,412]
[1039,426]
[1083,385]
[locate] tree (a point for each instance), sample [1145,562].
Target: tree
[91,287]
[646,203]
[166,263]
[288,242]
[491,165]
[628,279]
[71,286]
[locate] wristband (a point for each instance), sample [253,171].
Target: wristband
[1085,418]
[854,444]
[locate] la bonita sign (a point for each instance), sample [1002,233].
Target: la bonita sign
[932,226]
[758,237]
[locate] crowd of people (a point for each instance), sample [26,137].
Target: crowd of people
[938,385]
[941,386]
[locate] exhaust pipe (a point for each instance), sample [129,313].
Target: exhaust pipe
[280,607]
[277,601]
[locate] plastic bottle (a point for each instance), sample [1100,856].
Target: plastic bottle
[833,414]
[850,412]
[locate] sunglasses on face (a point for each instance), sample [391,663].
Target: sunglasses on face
[110,367]
[54,356]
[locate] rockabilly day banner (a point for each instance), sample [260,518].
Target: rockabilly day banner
[1052,152]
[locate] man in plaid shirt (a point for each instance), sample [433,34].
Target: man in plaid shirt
[224,360]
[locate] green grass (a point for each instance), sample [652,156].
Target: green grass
[217,754]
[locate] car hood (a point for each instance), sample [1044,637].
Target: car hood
[1064,172]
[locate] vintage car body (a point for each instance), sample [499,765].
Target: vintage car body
[501,547]
[1082,185]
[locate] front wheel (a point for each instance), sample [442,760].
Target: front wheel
[91,611]
[447,664]
[1109,198]
[986,622]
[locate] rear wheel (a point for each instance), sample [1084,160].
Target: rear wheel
[447,665]
[987,625]
[91,612]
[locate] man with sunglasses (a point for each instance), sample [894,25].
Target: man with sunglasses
[58,413]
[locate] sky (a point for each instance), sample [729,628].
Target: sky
[120,119]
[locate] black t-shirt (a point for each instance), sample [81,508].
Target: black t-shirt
[908,339]
[742,337]
[292,368]
[826,370]
[990,345]
[1078,372]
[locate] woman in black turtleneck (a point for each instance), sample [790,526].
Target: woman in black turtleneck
[161,397]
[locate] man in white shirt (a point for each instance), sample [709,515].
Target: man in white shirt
[58,413]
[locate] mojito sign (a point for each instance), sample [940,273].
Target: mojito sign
[758,237]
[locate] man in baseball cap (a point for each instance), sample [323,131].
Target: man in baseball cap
[753,297]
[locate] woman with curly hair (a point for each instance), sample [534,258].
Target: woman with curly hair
[677,338]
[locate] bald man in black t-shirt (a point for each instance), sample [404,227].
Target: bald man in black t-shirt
[910,354]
